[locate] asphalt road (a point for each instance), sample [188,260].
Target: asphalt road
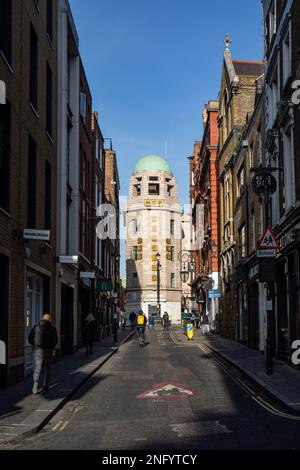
[197,405]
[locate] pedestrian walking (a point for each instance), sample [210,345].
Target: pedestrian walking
[170,320]
[124,320]
[132,318]
[43,338]
[193,318]
[206,325]
[151,321]
[89,333]
[166,321]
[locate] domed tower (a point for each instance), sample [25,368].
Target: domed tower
[153,228]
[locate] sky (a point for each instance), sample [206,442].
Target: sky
[153,64]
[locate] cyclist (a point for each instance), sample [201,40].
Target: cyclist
[141,322]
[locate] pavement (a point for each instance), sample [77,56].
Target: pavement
[283,386]
[166,396]
[22,413]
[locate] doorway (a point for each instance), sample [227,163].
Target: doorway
[67,320]
[34,313]
[4,312]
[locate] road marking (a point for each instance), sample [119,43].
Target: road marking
[57,425]
[168,390]
[204,428]
[64,426]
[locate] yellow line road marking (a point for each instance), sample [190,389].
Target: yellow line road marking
[64,426]
[57,425]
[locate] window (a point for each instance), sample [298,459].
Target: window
[48,195]
[272,22]
[50,19]
[135,253]
[172,227]
[153,178]
[135,226]
[172,280]
[5,131]
[6,29]
[286,58]
[227,200]
[83,106]
[135,280]
[172,253]
[153,189]
[33,79]
[170,190]
[31,184]
[242,242]
[137,189]
[240,181]
[49,101]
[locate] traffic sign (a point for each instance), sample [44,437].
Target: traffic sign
[190,331]
[268,240]
[214,294]
[168,390]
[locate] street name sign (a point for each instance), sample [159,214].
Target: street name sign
[43,235]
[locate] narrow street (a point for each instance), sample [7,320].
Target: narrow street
[198,405]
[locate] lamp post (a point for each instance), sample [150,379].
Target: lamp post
[117,258]
[158,258]
[188,267]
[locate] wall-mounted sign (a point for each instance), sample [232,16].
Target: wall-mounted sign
[266,253]
[268,240]
[68,259]
[214,294]
[87,275]
[43,235]
[2,92]
[264,181]
[104,285]
[253,271]
[154,202]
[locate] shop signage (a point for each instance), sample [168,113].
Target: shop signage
[214,294]
[68,259]
[154,202]
[2,92]
[2,353]
[289,238]
[104,285]
[264,181]
[87,275]
[253,271]
[43,235]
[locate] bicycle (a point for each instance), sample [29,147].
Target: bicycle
[141,337]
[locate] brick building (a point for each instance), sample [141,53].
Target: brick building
[28,149]
[248,230]
[206,185]
[237,101]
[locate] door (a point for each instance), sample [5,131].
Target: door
[34,313]
[253,331]
[67,320]
[4,312]
[282,314]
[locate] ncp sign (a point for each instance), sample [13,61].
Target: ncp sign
[2,353]
[2,92]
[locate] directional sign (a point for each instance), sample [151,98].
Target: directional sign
[268,240]
[214,294]
[190,331]
[168,390]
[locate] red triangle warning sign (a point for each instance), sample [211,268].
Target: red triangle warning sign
[168,390]
[268,240]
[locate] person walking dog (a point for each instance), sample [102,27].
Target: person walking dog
[43,338]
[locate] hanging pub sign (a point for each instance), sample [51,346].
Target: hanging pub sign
[263,181]
[104,285]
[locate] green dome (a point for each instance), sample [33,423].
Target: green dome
[153,162]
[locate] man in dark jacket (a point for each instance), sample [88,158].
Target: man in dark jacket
[43,338]
[89,333]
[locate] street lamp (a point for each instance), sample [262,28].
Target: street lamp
[158,258]
[117,258]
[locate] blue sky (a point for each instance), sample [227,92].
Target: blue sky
[153,64]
